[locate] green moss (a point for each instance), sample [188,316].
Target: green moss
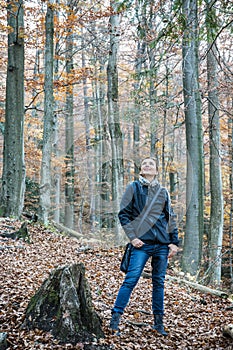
[52,299]
[32,304]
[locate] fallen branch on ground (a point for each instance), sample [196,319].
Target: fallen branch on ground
[194,285]
[67,230]
[3,247]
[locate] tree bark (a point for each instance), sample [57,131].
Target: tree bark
[63,306]
[230,137]
[102,146]
[69,143]
[164,165]
[228,330]
[89,160]
[13,175]
[57,171]
[3,341]
[48,131]
[139,59]
[113,119]
[194,188]
[216,214]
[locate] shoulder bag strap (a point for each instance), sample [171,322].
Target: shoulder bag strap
[149,208]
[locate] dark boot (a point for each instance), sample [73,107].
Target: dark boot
[114,323]
[158,324]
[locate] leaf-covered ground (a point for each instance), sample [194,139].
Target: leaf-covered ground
[193,320]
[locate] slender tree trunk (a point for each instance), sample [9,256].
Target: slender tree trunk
[173,178]
[128,161]
[69,144]
[101,134]
[136,119]
[136,144]
[13,176]
[98,145]
[194,199]
[37,71]
[113,118]
[216,215]
[152,89]
[231,196]
[140,57]
[164,129]
[90,184]
[57,169]
[153,119]
[48,131]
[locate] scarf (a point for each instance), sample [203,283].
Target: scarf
[146,182]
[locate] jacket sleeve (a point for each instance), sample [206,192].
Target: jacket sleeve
[171,218]
[125,214]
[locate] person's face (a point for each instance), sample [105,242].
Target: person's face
[148,167]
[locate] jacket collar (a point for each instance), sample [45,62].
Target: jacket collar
[145,182]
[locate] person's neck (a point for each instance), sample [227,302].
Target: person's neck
[149,178]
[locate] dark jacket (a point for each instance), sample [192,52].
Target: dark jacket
[159,225]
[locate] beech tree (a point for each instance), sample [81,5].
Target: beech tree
[113,114]
[69,127]
[48,129]
[194,186]
[216,214]
[139,60]
[56,183]
[13,175]
[101,144]
[230,145]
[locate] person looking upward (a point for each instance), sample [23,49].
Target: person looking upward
[155,235]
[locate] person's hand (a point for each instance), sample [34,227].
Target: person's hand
[173,249]
[137,243]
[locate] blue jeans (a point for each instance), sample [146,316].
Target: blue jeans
[139,257]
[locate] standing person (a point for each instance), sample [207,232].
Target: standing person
[156,236]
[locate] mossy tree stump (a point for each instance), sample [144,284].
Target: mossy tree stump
[228,330]
[63,306]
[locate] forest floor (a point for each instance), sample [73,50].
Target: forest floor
[194,320]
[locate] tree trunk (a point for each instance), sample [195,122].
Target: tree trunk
[194,187]
[48,131]
[172,183]
[139,59]
[89,161]
[98,102]
[230,133]
[113,119]
[63,306]
[57,171]
[13,175]
[3,341]
[164,165]
[153,67]
[216,215]
[101,146]
[69,143]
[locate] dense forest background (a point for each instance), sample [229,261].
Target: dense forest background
[89,88]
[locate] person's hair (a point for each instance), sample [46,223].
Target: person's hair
[154,159]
